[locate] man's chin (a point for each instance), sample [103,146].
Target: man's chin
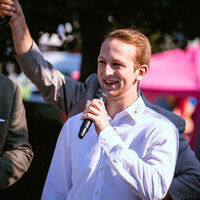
[112,93]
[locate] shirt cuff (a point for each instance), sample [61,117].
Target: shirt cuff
[108,138]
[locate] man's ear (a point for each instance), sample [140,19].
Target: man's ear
[141,71]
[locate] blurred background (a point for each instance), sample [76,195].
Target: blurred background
[69,33]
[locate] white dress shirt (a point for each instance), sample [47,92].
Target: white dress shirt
[134,158]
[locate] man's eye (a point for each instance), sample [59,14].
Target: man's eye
[102,62]
[117,64]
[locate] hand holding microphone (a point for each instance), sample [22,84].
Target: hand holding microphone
[95,112]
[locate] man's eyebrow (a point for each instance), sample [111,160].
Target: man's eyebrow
[100,56]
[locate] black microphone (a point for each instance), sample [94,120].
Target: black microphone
[99,94]
[4,20]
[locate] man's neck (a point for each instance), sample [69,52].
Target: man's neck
[116,105]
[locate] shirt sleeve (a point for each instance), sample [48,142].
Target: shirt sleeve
[58,181]
[48,80]
[61,91]
[149,177]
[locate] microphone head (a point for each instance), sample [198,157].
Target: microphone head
[102,94]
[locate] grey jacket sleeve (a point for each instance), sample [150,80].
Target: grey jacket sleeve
[186,181]
[66,94]
[17,154]
[42,74]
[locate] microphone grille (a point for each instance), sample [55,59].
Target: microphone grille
[101,93]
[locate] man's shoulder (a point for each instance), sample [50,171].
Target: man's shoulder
[71,127]
[159,120]
[175,119]
[74,118]
[73,122]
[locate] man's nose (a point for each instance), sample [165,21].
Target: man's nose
[108,70]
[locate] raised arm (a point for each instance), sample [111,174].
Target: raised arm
[63,92]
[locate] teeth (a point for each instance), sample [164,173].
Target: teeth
[110,82]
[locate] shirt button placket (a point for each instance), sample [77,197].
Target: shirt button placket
[100,177]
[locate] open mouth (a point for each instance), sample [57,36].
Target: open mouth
[110,84]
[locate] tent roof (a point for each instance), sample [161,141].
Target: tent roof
[174,70]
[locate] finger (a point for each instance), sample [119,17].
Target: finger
[7,7]
[93,110]
[6,10]
[100,103]
[97,103]
[10,2]
[87,104]
[90,110]
[90,113]
[89,116]
[6,13]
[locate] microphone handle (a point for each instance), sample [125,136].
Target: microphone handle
[99,94]
[84,128]
[4,20]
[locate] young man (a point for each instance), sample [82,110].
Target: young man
[15,151]
[130,152]
[71,97]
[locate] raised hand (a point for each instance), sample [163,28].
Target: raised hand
[10,8]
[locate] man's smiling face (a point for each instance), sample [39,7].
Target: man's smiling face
[116,68]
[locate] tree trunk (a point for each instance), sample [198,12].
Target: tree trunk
[92,28]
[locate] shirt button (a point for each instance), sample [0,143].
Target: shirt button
[96,193]
[103,141]
[114,161]
[101,169]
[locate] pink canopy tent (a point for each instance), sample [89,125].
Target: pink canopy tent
[175,72]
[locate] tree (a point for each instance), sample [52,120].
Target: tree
[157,19]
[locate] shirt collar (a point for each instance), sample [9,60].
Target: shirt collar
[136,109]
